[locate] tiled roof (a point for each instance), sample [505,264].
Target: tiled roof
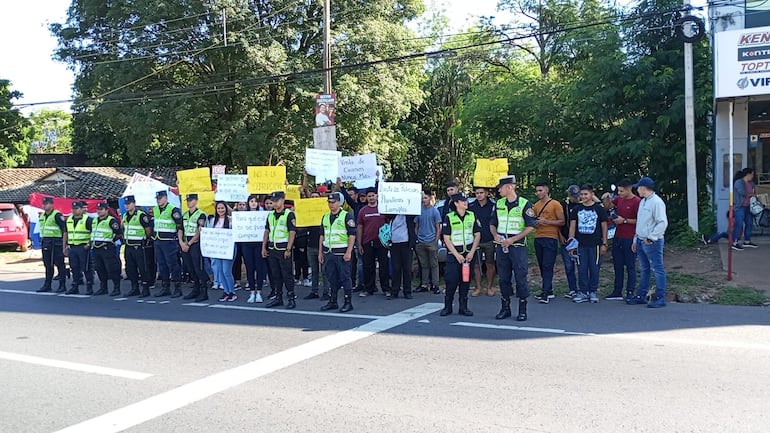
[16,184]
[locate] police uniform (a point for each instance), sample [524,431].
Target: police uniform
[79,250]
[510,219]
[167,225]
[104,232]
[53,230]
[193,259]
[337,232]
[280,229]
[463,232]
[136,228]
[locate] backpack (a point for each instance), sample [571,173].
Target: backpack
[755,206]
[385,235]
[764,218]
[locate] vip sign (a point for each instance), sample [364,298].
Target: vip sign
[742,63]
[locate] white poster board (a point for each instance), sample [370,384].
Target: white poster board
[399,198]
[323,164]
[358,167]
[369,183]
[249,226]
[217,243]
[144,192]
[232,187]
[325,137]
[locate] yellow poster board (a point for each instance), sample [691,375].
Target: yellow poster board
[196,179]
[292,192]
[489,171]
[309,211]
[266,179]
[205,201]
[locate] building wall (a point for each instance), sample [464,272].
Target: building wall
[722,146]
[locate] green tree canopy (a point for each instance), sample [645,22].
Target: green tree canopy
[13,152]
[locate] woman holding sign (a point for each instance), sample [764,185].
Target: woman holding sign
[256,267]
[222,267]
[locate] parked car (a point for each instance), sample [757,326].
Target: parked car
[13,231]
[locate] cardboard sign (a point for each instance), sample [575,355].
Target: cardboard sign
[323,164]
[292,192]
[309,211]
[266,180]
[232,187]
[205,201]
[325,138]
[144,192]
[249,226]
[217,170]
[217,243]
[489,171]
[358,167]
[399,198]
[196,179]
[369,183]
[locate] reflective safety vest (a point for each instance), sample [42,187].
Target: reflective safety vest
[49,228]
[164,221]
[101,231]
[279,230]
[335,233]
[462,230]
[133,229]
[78,234]
[191,222]
[510,222]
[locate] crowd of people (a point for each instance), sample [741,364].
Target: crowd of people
[357,249]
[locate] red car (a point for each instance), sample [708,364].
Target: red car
[13,231]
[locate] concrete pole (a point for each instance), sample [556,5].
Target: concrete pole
[730,221]
[327,48]
[689,115]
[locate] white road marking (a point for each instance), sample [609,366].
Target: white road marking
[302,312]
[150,302]
[423,321]
[74,296]
[161,404]
[140,300]
[517,328]
[87,368]
[164,302]
[120,299]
[27,292]
[196,304]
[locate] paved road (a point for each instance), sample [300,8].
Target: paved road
[78,364]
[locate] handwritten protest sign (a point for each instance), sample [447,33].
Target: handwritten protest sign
[232,187]
[369,183]
[323,164]
[217,170]
[358,167]
[292,192]
[196,179]
[489,171]
[309,211]
[205,201]
[399,198]
[249,226]
[217,243]
[144,192]
[265,180]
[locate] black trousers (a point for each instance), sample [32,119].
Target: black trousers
[193,263]
[374,251]
[453,277]
[80,264]
[237,263]
[53,256]
[136,263]
[401,257]
[337,272]
[281,275]
[107,265]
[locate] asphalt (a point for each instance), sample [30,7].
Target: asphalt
[571,368]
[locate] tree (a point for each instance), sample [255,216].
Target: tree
[12,123]
[49,131]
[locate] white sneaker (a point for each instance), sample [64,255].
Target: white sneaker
[251,298]
[307,282]
[258,298]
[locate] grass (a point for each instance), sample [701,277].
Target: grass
[739,295]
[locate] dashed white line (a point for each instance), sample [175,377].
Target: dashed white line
[120,299]
[301,312]
[87,368]
[517,328]
[27,292]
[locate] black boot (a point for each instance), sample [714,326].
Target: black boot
[278,300]
[332,304]
[463,310]
[194,292]
[102,289]
[145,291]
[177,290]
[290,301]
[165,289]
[346,304]
[505,309]
[115,288]
[449,299]
[62,286]
[44,289]
[89,288]
[74,290]
[203,294]
[134,289]
[522,310]
[272,295]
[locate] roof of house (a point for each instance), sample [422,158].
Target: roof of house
[16,184]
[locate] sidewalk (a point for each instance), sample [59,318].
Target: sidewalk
[751,267]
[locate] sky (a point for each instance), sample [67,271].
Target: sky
[26,50]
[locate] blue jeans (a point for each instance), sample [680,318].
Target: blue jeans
[545,250]
[223,274]
[651,259]
[569,269]
[624,260]
[512,266]
[716,237]
[588,269]
[744,220]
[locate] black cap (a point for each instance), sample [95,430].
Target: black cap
[353,188]
[160,194]
[47,200]
[129,199]
[78,205]
[277,195]
[459,197]
[452,185]
[507,180]
[103,205]
[335,196]
[192,197]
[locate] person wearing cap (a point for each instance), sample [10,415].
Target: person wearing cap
[53,230]
[624,207]
[105,231]
[651,224]
[461,232]
[335,244]
[511,222]
[573,199]
[192,258]
[137,228]
[452,188]
[79,228]
[168,229]
[277,244]
[483,208]
[371,248]
[588,225]
[550,218]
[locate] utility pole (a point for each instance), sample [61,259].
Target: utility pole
[327,48]
[689,116]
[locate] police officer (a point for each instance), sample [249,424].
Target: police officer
[53,230]
[79,249]
[192,258]
[338,236]
[461,232]
[511,222]
[105,231]
[280,231]
[169,234]
[136,230]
